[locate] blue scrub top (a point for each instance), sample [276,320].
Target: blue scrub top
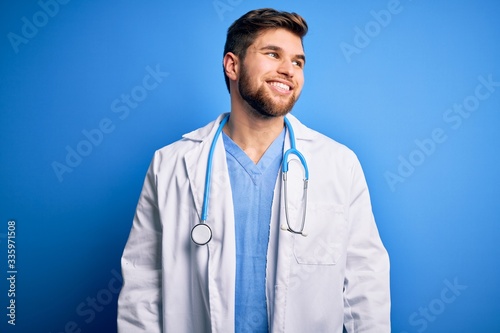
[252,186]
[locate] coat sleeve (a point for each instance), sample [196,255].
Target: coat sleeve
[139,303]
[366,285]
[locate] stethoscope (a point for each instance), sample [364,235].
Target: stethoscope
[201,233]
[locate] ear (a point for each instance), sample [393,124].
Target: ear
[231,65]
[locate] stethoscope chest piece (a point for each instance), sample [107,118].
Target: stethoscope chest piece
[201,234]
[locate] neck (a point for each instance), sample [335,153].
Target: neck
[253,134]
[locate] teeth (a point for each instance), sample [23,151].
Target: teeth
[280,85]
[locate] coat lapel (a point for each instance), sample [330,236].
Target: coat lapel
[221,249]
[196,161]
[280,250]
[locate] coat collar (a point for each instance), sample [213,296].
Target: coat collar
[207,132]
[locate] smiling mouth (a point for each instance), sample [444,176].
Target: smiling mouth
[280,86]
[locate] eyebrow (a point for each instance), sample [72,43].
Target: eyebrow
[277,48]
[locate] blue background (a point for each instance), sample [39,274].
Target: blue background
[439,220]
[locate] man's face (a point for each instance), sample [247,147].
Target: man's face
[272,76]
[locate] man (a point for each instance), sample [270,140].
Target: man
[262,267]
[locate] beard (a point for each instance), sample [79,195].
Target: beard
[260,100]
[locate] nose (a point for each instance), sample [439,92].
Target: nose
[286,68]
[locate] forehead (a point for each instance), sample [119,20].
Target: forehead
[282,38]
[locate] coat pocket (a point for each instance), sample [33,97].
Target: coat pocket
[326,228]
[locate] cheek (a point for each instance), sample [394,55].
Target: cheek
[300,83]
[264,69]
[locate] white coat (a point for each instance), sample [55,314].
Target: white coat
[336,276]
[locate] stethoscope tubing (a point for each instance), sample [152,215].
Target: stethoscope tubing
[208,176]
[201,233]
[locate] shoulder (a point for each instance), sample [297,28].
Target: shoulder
[171,153]
[320,145]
